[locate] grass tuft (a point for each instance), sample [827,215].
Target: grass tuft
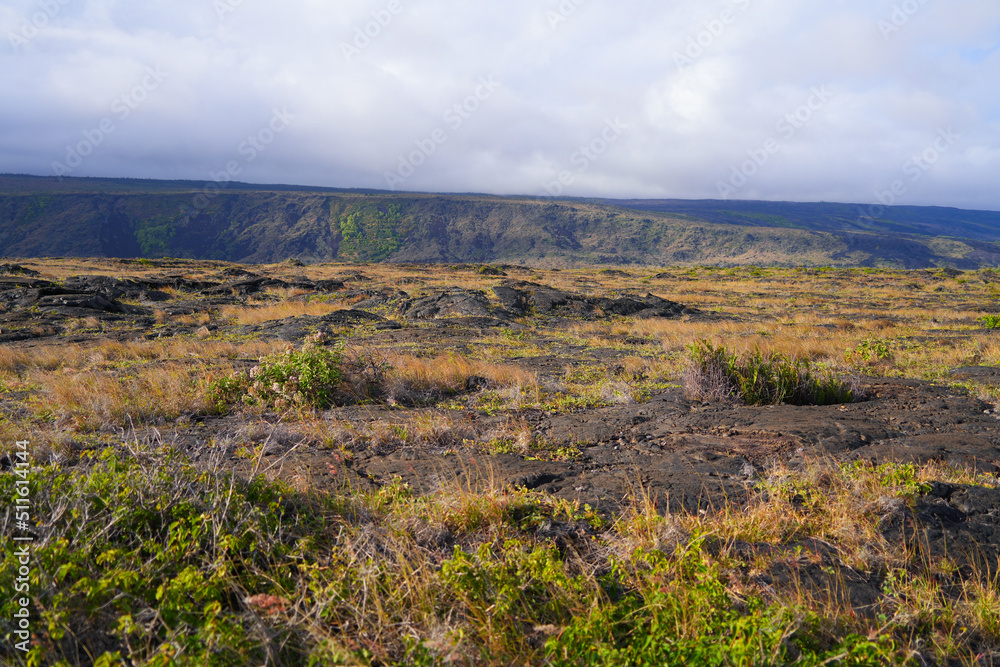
[715,374]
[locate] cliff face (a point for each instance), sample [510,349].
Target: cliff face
[148,219]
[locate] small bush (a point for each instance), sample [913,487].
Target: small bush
[715,374]
[990,321]
[872,350]
[314,377]
[154,561]
[678,611]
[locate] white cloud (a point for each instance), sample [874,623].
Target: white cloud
[564,74]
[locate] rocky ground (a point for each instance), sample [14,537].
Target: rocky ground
[605,451]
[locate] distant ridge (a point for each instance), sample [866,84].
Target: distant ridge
[104,217]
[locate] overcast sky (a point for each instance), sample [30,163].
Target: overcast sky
[841,100]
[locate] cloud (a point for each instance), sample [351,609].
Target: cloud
[701,86]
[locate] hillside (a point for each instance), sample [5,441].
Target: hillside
[248,223]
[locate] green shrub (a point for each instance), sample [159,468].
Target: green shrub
[678,612]
[873,349]
[990,321]
[311,378]
[152,558]
[899,478]
[713,373]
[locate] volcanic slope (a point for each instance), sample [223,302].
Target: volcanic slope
[42,217]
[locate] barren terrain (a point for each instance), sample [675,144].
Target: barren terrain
[570,385]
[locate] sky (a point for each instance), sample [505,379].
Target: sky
[859,101]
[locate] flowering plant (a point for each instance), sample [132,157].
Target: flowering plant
[306,378]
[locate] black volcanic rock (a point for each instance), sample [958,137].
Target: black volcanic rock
[62,302]
[643,307]
[109,288]
[521,297]
[456,303]
[17,270]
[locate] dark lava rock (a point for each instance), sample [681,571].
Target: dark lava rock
[154,296]
[110,288]
[457,303]
[94,302]
[475,322]
[235,272]
[18,270]
[12,288]
[19,293]
[378,299]
[351,317]
[477,383]
[328,285]
[178,282]
[520,297]
[301,282]
[643,307]
[544,299]
[515,301]
[297,329]
[985,374]
[245,287]
[535,480]
[961,522]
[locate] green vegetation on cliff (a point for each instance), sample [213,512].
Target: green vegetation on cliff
[372,233]
[128,218]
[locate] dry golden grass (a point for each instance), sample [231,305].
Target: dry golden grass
[194,320]
[393,557]
[90,400]
[110,352]
[450,374]
[249,315]
[90,387]
[414,428]
[43,357]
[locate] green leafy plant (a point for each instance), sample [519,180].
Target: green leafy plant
[145,530]
[872,350]
[900,478]
[990,321]
[678,612]
[310,378]
[714,373]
